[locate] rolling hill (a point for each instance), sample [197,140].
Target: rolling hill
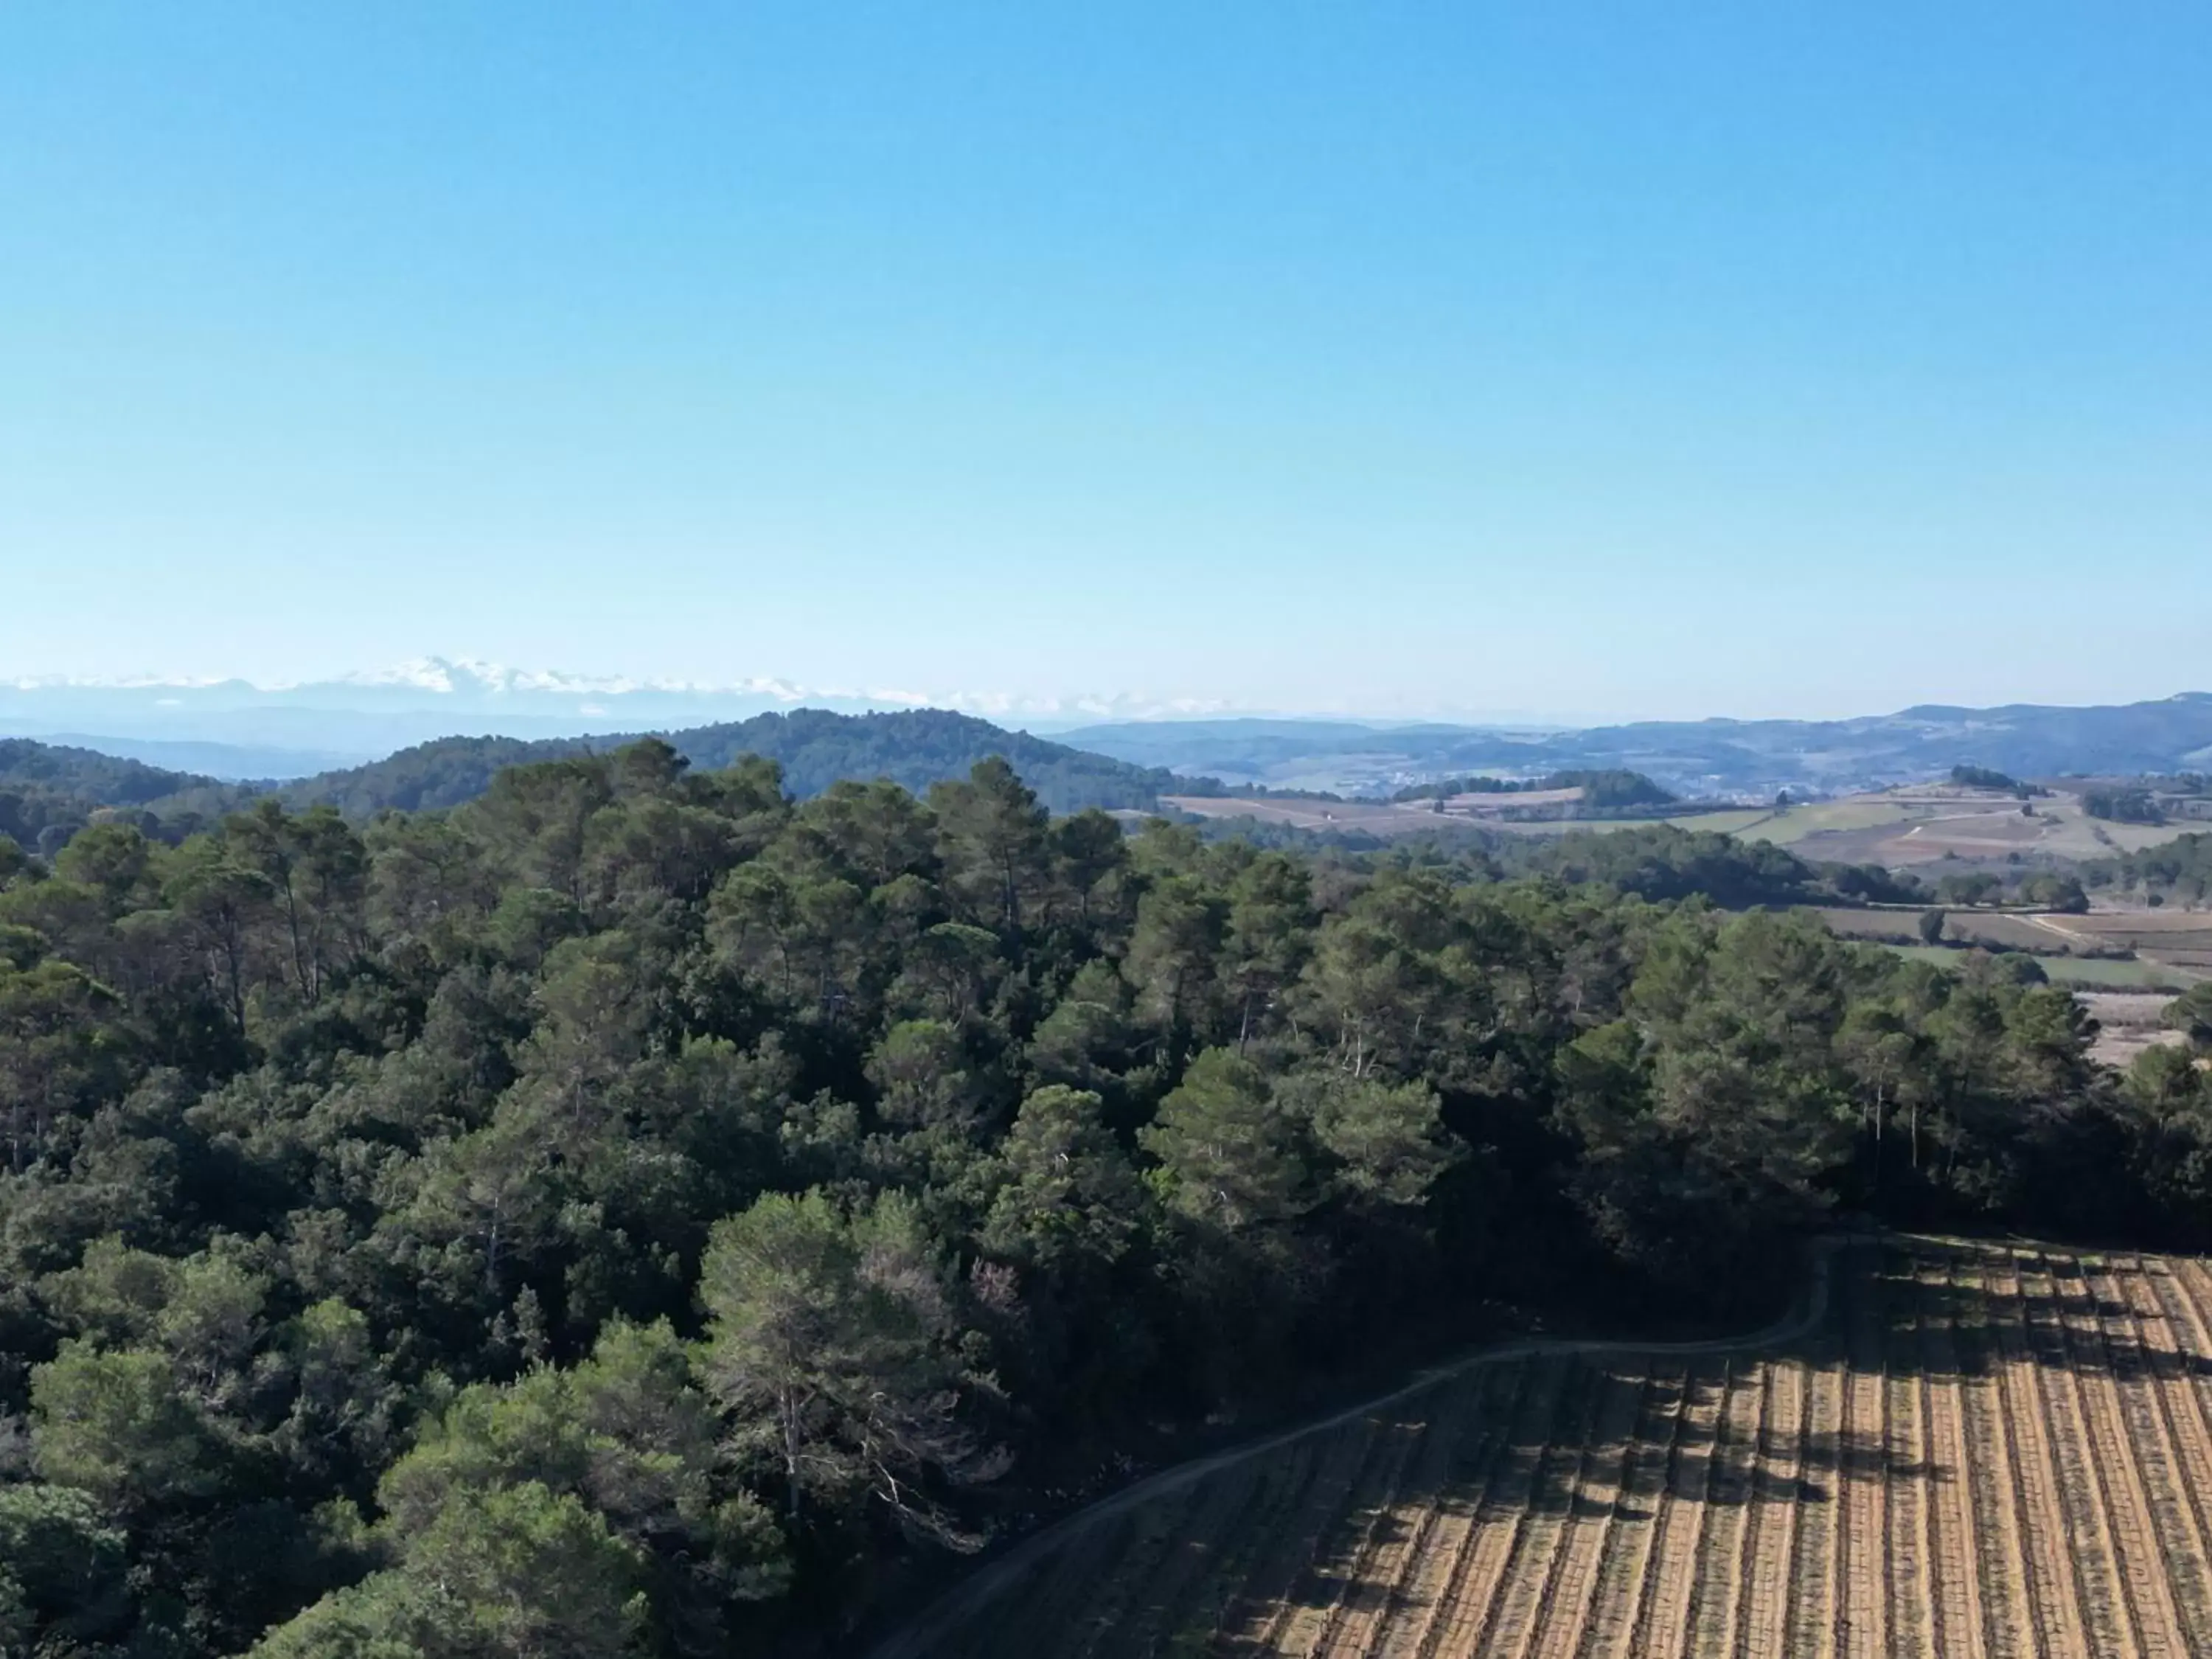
[815,748]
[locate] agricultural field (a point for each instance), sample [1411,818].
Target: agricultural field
[1787,826]
[2084,973]
[1905,828]
[2100,974]
[2175,938]
[2128,1022]
[1374,817]
[1971,1450]
[2075,950]
[1998,930]
[1387,819]
[1735,822]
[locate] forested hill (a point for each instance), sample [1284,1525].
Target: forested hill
[87,774]
[48,790]
[815,748]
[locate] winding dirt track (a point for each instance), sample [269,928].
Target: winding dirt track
[1976,1451]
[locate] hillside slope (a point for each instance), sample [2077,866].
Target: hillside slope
[49,791]
[88,775]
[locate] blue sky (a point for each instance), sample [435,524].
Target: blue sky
[1627,359]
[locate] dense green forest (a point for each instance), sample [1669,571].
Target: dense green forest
[641,1211]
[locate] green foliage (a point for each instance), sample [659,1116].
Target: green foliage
[61,1568]
[513,1570]
[119,1426]
[832,1340]
[623,1451]
[1066,1192]
[2054,890]
[1385,1147]
[2181,868]
[1666,863]
[2191,1013]
[1230,1154]
[1965,891]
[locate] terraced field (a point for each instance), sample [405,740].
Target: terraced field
[1959,1449]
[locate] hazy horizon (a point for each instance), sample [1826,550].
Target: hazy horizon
[544,702]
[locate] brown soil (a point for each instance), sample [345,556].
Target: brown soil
[1970,1449]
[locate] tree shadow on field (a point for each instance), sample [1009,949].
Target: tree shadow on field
[1617,1438]
[1369,1519]
[1965,1310]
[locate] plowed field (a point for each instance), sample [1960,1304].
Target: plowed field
[1960,1450]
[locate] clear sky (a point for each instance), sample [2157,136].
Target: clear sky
[1664,359]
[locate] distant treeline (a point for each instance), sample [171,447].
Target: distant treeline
[1602,789]
[2048,890]
[2123,805]
[1981,777]
[2179,871]
[2148,799]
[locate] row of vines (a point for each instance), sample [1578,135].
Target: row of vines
[1983,1450]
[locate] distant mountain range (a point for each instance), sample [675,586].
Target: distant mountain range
[232,730]
[1127,765]
[1696,758]
[299,729]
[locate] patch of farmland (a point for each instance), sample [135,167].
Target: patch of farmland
[2141,930]
[1967,1449]
[1994,928]
[2086,972]
[1734,823]
[1382,818]
[2140,975]
[1888,926]
[1788,825]
[1603,826]
[1904,828]
[2127,1023]
[2017,933]
[1386,819]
